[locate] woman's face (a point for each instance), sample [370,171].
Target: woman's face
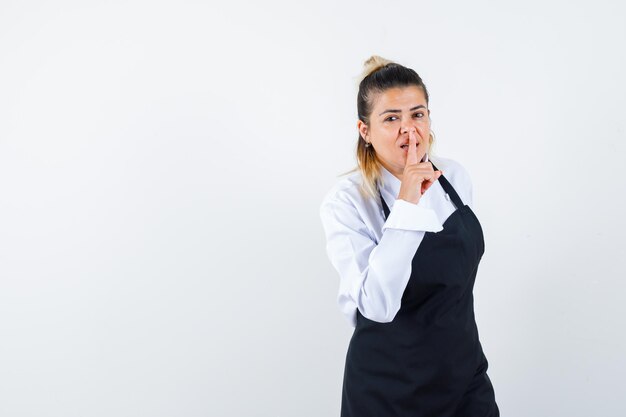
[395,111]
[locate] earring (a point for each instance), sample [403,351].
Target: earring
[368,144]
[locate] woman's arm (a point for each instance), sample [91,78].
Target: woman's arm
[373,276]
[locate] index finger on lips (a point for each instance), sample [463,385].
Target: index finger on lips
[411,157]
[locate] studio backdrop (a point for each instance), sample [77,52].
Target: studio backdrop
[162,165]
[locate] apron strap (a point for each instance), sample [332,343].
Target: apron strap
[449,189]
[385,206]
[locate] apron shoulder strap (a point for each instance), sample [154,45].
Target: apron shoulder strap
[449,189]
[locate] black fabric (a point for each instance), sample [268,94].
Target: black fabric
[428,361]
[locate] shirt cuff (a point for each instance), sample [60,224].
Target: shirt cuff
[408,216]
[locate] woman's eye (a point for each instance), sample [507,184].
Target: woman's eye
[421,115]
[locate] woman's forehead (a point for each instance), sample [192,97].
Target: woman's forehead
[400,98]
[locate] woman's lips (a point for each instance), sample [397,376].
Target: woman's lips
[406,147]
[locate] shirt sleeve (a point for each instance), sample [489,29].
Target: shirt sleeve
[470,193]
[410,216]
[373,276]
[470,190]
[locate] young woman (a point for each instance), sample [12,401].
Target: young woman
[407,245]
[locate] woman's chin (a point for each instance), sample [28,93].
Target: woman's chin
[420,155]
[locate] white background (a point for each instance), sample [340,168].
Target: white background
[162,166]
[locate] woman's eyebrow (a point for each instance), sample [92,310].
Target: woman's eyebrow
[420,106]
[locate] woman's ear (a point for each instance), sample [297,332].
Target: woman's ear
[362,127]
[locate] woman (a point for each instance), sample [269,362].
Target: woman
[407,245]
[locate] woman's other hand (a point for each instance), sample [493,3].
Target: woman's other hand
[417,177]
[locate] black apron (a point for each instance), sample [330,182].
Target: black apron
[428,361]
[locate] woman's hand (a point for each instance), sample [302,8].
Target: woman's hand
[417,176]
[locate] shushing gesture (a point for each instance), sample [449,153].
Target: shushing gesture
[417,177]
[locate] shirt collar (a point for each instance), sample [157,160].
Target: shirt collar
[390,183]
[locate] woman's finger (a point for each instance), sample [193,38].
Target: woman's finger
[428,183]
[411,157]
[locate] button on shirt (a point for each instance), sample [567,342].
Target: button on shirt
[372,256]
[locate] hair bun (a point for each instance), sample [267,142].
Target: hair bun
[372,64]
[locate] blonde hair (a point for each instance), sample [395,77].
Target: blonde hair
[379,74]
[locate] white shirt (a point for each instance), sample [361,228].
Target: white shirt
[372,256]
